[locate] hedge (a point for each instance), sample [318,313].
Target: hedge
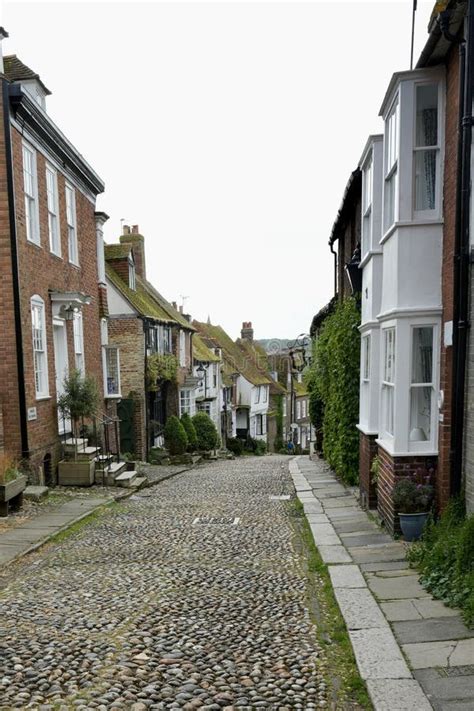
[176,440]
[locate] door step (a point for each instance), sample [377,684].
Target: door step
[139,482]
[126,479]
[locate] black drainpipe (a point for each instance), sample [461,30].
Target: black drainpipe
[461,258]
[15,271]
[331,247]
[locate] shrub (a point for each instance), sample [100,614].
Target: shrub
[235,446]
[412,497]
[206,431]
[190,430]
[176,440]
[333,383]
[260,448]
[445,558]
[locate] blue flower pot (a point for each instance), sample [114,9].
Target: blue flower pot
[412,525]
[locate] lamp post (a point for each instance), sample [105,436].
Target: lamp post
[202,375]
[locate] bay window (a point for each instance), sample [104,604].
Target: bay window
[40,359]
[391,167]
[53,210]
[421,387]
[30,186]
[366,358]
[426,147]
[388,381]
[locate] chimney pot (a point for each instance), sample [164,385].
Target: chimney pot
[174,305]
[135,230]
[126,229]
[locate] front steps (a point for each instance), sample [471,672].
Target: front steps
[84,465]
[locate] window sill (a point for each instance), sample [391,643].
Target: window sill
[386,445]
[56,256]
[365,431]
[34,244]
[40,398]
[74,265]
[113,397]
[421,222]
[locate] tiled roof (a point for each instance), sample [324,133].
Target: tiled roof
[236,359]
[173,314]
[117,251]
[202,353]
[139,299]
[15,70]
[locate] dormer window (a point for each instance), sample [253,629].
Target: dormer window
[132,279]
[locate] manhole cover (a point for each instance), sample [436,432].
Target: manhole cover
[222,520]
[282,497]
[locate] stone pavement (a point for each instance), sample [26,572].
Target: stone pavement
[190,594]
[33,533]
[414,652]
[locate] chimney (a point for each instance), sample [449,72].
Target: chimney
[247,331]
[137,241]
[174,305]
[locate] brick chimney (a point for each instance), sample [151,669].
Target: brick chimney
[132,236]
[247,331]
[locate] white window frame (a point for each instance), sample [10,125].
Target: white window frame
[298,409]
[367,200]
[186,403]
[132,275]
[71,220]
[366,359]
[265,393]
[391,161]
[261,424]
[54,227]
[429,442]
[257,394]
[78,332]
[388,381]
[431,213]
[182,348]
[31,194]
[40,349]
[106,351]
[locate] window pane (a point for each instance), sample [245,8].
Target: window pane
[389,372]
[113,375]
[422,355]
[366,357]
[388,396]
[420,414]
[389,197]
[425,179]
[427,115]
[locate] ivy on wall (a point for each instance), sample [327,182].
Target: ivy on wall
[333,382]
[279,444]
[161,367]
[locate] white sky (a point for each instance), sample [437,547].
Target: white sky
[226,131]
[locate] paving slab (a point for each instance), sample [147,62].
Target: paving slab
[324,534]
[317,518]
[365,539]
[339,502]
[429,654]
[357,526]
[391,588]
[359,609]
[398,565]
[8,553]
[397,695]
[400,610]
[378,655]
[434,608]
[442,689]
[20,535]
[431,630]
[334,554]
[367,554]
[312,508]
[346,576]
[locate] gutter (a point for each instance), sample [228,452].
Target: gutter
[15,271]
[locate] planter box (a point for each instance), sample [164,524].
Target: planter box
[12,492]
[80,473]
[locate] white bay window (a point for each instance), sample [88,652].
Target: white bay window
[388,382]
[421,388]
[390,211]
[426,148]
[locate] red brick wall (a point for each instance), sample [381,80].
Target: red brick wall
[449,207]
[391,469]
[40,273]
[9,399]
[367,452]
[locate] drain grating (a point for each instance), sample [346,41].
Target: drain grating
[222,520]
[282,497]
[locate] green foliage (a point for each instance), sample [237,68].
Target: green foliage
[235,446]
[206,432]
[333,383]
[278,444]
[445,558]
[255,446]
[375,470]
[409,497]
[176,440]
[80,397]
[161,367]
[128,456]
[187,423]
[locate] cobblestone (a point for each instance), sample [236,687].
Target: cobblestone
[141,609]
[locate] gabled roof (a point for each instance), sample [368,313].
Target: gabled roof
[202,353]
[257,355]
[117,251]
[236,359]
[139,299]
[15,70]
[173,314]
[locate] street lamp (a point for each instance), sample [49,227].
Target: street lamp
[354,273]
[202,373]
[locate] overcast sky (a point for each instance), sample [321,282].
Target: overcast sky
[226,131]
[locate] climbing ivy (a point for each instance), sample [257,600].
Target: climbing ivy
[279,444]
[161,367]
[333,382]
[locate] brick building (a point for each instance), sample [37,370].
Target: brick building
[53,287]
[155,342]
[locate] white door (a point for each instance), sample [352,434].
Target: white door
[62,367]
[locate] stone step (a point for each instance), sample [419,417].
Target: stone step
[84,454]
[77,441]
[108,474]
[116,468]
[126,479]
[35,493]
[139,482]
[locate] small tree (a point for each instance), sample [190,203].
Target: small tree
[176,440]
[79,400]
[206,431]
[190,430]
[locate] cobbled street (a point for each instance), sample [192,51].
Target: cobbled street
[147,607]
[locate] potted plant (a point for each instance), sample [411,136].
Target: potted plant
[412,500]
[12,483]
